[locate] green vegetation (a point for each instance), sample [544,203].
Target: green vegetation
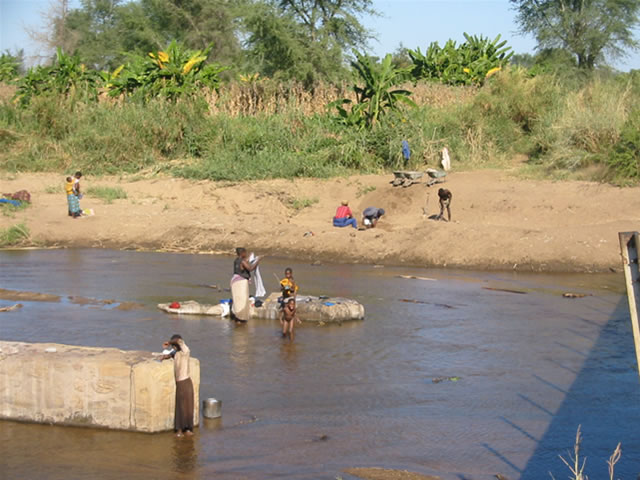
[375,92]
[107,194]
[9,67]
[585,128]
[589,30]
[13,236]
[302,203]
[170,74]
[470,63]
[210,106]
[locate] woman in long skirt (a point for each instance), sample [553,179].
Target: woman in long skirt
[241,307]
[184,412]
[73,201]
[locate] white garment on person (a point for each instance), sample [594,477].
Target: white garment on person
[446,160]
[260,290]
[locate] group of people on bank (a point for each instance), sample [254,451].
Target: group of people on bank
[371,215]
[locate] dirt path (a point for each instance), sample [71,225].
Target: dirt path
[500,222]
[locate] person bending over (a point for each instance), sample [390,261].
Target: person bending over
[371,215]
[445,197]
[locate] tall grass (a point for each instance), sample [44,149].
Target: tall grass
[269,130]
[13,236]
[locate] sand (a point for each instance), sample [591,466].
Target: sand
[386,474]
[500,222]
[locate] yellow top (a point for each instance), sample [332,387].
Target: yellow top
[68,186]
[287,284]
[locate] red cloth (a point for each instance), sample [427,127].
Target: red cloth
[343,212]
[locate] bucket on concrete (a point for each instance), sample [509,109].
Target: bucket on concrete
[212,408]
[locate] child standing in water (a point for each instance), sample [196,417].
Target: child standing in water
[288,285]
[289,317]
[183,423]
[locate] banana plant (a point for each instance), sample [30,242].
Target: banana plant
[170,74]
[9,65]
[375,93]
[470,63]
[67,76]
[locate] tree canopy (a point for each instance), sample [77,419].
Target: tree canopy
[591,30]
[298,39]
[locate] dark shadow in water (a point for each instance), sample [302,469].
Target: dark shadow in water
[604,399]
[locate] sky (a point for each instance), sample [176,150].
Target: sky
[412,23]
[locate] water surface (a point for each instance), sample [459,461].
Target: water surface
[532,368]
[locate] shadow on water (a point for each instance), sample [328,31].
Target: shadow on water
[604,400]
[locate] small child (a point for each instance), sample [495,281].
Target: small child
[288,284]
[76,184]
[289,317]
[68,187]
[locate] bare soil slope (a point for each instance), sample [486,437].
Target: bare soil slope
[500,222]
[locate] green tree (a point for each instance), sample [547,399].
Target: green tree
[336,19]
[303,39]
[591,30]
[197,23]
[105,32]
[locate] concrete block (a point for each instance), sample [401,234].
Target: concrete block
[85,386]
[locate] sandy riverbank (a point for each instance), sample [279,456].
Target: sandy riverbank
[500,222]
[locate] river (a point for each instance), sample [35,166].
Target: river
[531,368]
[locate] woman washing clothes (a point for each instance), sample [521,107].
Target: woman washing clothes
[185,400]
[242,268]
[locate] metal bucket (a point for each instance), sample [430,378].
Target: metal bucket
[211,408]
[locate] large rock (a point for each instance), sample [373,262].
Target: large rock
[82,386]
[313,309]
[309,309]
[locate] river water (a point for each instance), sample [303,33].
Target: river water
[531,368]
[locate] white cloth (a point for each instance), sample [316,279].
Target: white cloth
[446,160]
[257,278]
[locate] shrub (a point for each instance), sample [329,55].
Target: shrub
[15,235]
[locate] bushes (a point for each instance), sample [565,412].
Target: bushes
[624,159]
[558,127]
